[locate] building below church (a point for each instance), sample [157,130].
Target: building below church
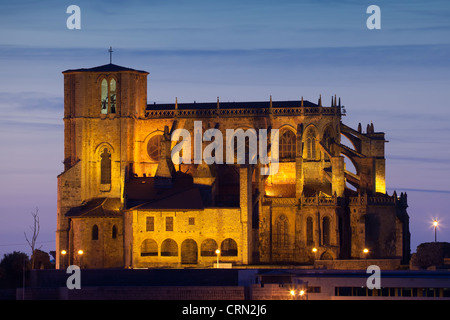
[125,204]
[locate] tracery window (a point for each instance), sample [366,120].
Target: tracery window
[282,237]
[311,145]
[287,145]
[154,147]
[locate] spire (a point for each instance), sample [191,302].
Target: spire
[332,102]
[320,100]
[218,103]
[176,103]
[301,102]
[339,102]
[270,102]
[335,100]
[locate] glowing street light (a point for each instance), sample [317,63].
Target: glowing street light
[217,252]
[63,253]
[80,253]
[435,225]
[366,251]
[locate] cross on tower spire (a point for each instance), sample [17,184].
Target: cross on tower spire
[110,54]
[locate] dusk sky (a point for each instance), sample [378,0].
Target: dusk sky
[397,77]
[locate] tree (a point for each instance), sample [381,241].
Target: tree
[35,232]
[12,269]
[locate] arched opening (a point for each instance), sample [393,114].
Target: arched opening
[169,248]
[351,182]
[282,235]
[94,234]
[149,248]
[104,96]
[208,248]
[114,232]
[287,145]
[228,248]
[105,167]
[112,95]
[189,252]
[326,256]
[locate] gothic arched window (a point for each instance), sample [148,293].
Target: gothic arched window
[112,95]
[287,145]
[104,97]
[282,236]
[105,167]
[311,145]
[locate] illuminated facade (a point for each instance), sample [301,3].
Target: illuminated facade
[125,204]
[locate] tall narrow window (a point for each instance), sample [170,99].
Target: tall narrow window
[326,231]
[105,164]
[309,231]
[95,232]
[112,95]
[150,224]
[311,145]
[287,145]
[114,232]
[169,223]
[104,97]
[282,237]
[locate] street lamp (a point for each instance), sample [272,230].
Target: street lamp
[64,252]
[80,253]
[435,224]
[314,250]
[217,253]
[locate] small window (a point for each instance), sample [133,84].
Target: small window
[95,232]
[191,221]
[150,224]
[169,223]
[114,232]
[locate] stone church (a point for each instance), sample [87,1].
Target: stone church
[125,204]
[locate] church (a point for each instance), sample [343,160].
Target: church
[123,203]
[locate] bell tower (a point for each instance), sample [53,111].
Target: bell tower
[101,107]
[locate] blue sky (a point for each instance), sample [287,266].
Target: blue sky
[398,77]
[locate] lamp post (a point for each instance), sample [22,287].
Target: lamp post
[217,253]
[435,224]
[366,252]
[80,254]
[63,253]
[314,250]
